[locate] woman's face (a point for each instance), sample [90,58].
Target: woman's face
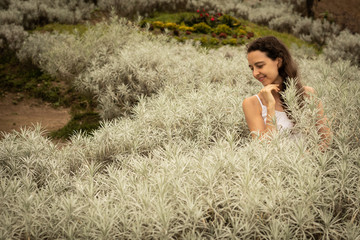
[264,68]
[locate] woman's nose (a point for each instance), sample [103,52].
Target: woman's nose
[255,72]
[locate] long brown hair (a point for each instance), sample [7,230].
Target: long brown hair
[274,48]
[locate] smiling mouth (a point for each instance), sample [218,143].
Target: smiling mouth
[261,79]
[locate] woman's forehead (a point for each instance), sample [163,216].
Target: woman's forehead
[256,56]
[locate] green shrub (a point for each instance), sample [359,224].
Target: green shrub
[214,41]
[229,20]
[231,41]
[186,28]
[202,27]
[240,31]
[171,26]
[222,28]
[158,24]
[204,40]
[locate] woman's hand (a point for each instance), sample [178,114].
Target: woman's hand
[266,95]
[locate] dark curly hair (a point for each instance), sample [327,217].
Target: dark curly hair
[274,48]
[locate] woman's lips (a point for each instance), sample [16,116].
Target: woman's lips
[261,79]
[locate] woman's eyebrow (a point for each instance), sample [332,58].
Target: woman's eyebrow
[257,63]
[260,62]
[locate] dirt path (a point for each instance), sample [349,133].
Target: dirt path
[15,113]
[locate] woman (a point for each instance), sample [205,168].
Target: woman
[271,64]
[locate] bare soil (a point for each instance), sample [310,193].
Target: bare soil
[17,111]
[346,13]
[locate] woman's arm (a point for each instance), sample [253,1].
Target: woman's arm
[322,122]
[252,111]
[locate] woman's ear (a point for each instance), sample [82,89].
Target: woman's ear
[279,63]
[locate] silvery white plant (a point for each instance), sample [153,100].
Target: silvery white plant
[11,17]
[122,63]
[180,168]
[276,14]
[12,36]
[31,13]
[345,46]
[266,12]
[322,30]
[183,165]
[284,23]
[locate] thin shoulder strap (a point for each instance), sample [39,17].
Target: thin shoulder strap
[259,100]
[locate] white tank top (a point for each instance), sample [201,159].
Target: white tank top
[282,120]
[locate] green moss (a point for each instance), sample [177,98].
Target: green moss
[85,122]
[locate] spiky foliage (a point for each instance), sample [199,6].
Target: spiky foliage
[345,46]
[277,14]
[183,165]
[117,63]
[30,14]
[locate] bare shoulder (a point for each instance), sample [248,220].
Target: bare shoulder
[309,91]
[250,102]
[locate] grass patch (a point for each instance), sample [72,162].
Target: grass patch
[170,17]
[27,78]
[62,28]
[84,122]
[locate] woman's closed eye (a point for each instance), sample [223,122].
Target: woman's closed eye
[257,66]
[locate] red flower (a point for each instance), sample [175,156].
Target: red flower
[207,15]
[213,34]
[222,35]
[219,14]
[212,19]
[188,32]
[198,11]
[203,9]
[250,34]
[201,15]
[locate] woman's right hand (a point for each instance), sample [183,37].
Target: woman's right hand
[266,95]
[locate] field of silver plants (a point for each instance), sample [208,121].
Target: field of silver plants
[180,164]
[19,16]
